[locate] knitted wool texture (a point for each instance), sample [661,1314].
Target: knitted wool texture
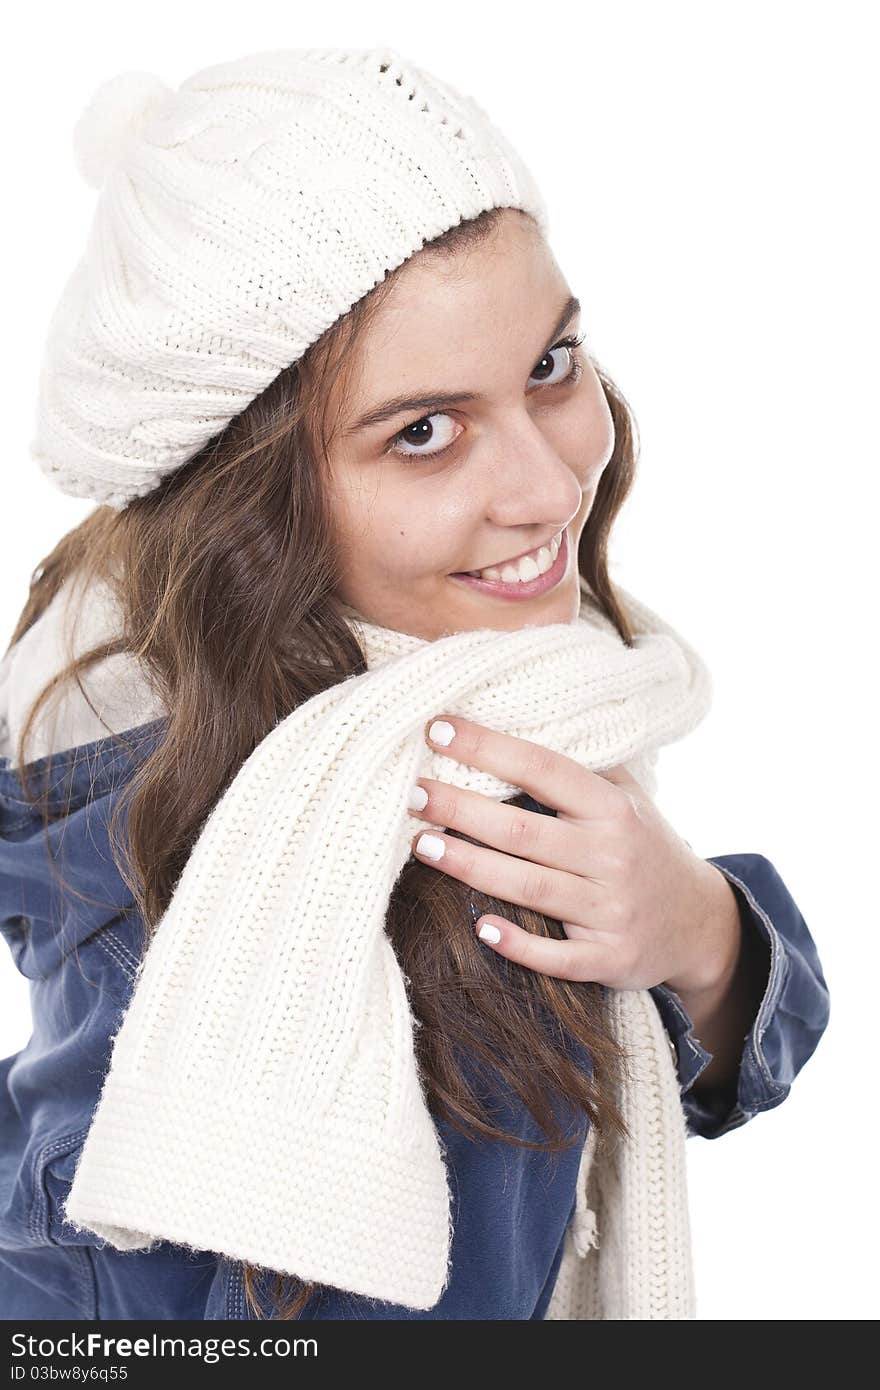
[238,218]
[263,1099]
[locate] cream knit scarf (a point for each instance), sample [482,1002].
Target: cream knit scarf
[263,1099]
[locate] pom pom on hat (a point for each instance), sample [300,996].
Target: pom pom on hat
[113,115]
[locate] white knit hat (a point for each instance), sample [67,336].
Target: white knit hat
[238,218]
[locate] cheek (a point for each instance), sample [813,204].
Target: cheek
[405,542]
[589,435]
[396,530]
[420,547]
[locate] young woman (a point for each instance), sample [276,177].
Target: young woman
[285,466]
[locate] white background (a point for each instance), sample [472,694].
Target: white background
[711,177]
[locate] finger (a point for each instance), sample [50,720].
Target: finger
[532,835]
[545,774]
[551,891]
[564,960]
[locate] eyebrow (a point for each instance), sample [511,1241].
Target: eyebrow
[436,400]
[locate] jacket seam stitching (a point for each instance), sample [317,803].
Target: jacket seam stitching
[39,1206]
[133,959]
[111,944]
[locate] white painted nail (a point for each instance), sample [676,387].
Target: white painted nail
[417,799]
[431,845]
[489,933]
[441,732]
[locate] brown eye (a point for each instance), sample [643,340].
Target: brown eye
[570,365]
[415,439]
[423,433]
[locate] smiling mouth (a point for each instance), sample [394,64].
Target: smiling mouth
[526,580]
[521,568]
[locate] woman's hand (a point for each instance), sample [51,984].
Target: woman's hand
[638,907]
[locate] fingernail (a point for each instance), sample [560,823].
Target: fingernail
[432,846]
[417,799]
[441,732]
[489,933]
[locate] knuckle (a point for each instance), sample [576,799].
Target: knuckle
[521,832]
[476,741]
[570,967]
[538,762]
[531,954]
[616,863]
[535,886]
[618,911]
[465,863]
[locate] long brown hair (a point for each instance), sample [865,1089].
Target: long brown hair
[226,579]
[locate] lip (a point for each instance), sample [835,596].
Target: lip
[528,588]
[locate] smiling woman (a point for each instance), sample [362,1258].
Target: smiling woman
[505,467]
[352,545]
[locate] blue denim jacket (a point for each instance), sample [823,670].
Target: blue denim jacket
[78,946]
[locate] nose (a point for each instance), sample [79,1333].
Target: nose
[528,483]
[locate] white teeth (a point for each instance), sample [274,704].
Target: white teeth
[544,560]
[528,567]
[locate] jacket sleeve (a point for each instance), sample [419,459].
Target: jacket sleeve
[791,1016]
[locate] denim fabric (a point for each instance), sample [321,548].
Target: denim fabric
[792,1015]
[78,945]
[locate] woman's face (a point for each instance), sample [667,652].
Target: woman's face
[447,486]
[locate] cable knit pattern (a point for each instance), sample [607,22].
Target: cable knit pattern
[238,218]
[269,1044]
